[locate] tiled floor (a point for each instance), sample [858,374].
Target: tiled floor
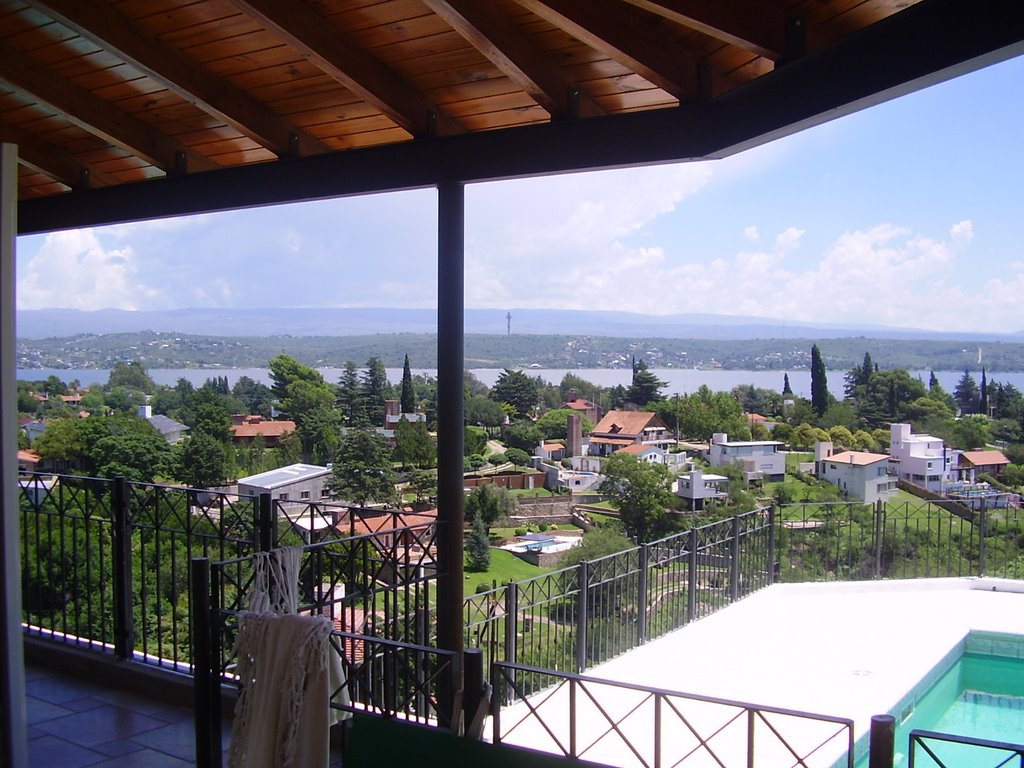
[73,722]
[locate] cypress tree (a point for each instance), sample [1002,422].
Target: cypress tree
[819,382]
[786,388]
[408,392]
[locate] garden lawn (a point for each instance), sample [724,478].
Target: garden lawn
[505,567]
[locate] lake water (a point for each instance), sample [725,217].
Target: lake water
[680,381]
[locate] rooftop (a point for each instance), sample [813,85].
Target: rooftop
[284,475]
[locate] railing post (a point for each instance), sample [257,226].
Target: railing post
[882,741]
[124,620]
[751,727]
[511,623]
[879,536]
[266,523]
[734,560]
[691,576]
[205,685]
[583,570]
[982,534]
[474,699]
[772,517]
[642,602]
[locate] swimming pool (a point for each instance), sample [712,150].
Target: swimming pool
[978,691]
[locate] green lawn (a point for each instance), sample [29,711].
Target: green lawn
[505,567]
[532,492]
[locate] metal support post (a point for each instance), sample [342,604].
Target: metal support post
[13,711]
[124,617]
[266,523]
[772,566]
[450,407]
[881,750]
[879,536]
[982,536]
[474,701]
[691,575]
[511,623]
[206,686]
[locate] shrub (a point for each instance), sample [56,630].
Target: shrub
[521,531]
[541,527]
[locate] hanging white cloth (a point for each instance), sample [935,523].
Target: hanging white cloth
[288,670]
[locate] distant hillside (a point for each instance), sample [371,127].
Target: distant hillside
[181,350]
[45,323]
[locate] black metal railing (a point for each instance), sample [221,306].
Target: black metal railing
[105,562]
[944,750]
[616,723]
[574,618]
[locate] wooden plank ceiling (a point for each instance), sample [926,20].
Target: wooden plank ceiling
[100,93]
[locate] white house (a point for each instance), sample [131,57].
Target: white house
[296,482]
[651,454]
[921,459]
[760,459]
[697,487]
[860,475]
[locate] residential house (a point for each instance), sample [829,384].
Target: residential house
[974,463]
[296,482]
[245,429]
[650,454]
[759,459]
[619,429]
[392,416]
[171,430]
[33,429]
[697,487]
[860,475]
[550,451]
[922,460]
[582,406]
[28,461]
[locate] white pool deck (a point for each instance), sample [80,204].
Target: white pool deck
[850,650]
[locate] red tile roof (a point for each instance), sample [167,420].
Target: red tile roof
[857,458]
[983,458]
[637,448]
[264,428]
[627,423]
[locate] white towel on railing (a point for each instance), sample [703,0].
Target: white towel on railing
[288,670]
[275,581]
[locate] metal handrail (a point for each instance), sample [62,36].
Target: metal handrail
[919,738]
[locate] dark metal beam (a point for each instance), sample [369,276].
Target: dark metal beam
[922,45]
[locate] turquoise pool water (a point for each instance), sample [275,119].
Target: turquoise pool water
[979,695]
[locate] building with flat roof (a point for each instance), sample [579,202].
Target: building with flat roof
[296,482]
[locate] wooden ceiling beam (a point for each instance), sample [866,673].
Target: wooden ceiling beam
[99,22]
[643,46]
[754,25]
[53,161]
[532,69]
[310,34]
[98,117]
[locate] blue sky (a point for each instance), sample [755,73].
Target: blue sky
[908,215]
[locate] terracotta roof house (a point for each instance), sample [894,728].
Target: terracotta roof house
[973,463]
[584,406]
[619,429]
[28,461]
[245,429]
[860,474]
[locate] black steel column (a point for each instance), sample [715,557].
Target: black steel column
[450,365]
[13,733]
[124,616]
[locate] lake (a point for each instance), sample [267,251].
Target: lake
[681,381]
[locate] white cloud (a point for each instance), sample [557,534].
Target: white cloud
[962,232]
[74,269]
[751,233]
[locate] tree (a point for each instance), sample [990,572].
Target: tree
[523,435]
[474,440]
[966,394]
[646,387]
[349,395]
[640,491]
[859,375]
[408,391]
[362,469]
[983,395]
[517,389]
[478,547]
[423,483]
[786,388]
[517,457]
[482,411]
[140,456]
[200,461]
[819,382]
[375,390]
[488,503]
[414,446]
[131,376]
[554,424]
[256,396]
[63,444]
[596,543]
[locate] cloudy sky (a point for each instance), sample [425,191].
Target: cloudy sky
[910,214]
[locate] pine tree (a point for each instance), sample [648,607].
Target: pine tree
[983,403]
[819,382]
[408,391]
[478,547]
[646,387]
[786,388]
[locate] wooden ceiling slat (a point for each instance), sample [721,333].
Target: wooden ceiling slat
[533,69]
[180,74]
[353,67]
[61,165]
[97,116]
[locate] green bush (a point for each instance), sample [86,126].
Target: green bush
[521,531]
